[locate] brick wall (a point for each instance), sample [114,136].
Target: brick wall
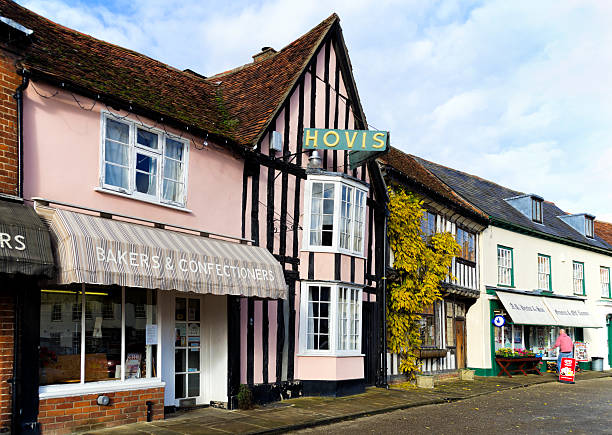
[9,81]
[82,413]
[7,324]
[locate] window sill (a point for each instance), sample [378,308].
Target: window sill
[332,250]
[66,390]
[505,285]
[307,354]
[146,201]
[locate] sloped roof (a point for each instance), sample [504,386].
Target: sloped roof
[409,167]
[253,92]
[236,104]
[604,231]
[490,198]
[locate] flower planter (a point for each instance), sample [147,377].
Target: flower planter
[425,381]
[466,374]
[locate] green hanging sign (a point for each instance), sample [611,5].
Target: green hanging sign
[349,140]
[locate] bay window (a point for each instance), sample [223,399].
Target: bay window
[105,341]
[335,215]
[331,319]
[143,162]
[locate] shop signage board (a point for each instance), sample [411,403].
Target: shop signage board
[572,313]
[499,321]
[580,352]
[363,145]
[568,370]
[525,309]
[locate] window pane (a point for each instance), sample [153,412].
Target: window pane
[103,336]
[146,170]
[173,170]
[173,191]
[194,360]
[180,360]
[179,386]
[146,138]
[116,175]
[140,313]
[116,153]
[117,131]
[174,149]
[194,310]
[193,387]
[60,342]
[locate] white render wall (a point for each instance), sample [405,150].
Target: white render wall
[525,250]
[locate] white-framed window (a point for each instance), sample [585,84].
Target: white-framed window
[505,266]
[604,273]
[536,209]
[143,162]
[330,319]
[589,224]
[578,273]
[335,215]
[544,277]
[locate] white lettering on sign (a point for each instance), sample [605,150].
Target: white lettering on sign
[531,308]
[137,260]
[16,243]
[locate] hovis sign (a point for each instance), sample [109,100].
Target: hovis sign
[356,140]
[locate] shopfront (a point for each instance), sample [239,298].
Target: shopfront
[25,260]
[139,314]
[532,322]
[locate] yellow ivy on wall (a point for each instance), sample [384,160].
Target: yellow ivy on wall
[420,264]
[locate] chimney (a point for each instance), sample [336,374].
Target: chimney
[265,53]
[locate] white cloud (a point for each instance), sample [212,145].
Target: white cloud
[518,92]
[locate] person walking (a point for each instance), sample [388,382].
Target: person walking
[566,347]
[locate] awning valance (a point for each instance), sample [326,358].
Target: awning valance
[25,245]
[96,250]
[541,310]
[526,309]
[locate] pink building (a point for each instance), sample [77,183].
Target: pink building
[196,248]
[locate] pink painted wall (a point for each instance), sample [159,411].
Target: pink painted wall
[62,163]
[327,368]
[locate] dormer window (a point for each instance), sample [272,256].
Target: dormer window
[536,210]
[588,227]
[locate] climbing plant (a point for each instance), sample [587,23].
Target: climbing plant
[421,263]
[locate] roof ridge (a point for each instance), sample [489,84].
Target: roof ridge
[468,174]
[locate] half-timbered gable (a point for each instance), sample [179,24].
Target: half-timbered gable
[443,325]
[309,83]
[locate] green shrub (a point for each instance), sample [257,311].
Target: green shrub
[245,397]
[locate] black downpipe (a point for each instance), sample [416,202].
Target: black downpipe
[15,382]
[384,295]
[18,96]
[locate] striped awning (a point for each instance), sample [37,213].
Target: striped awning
[25,245]
[95,250]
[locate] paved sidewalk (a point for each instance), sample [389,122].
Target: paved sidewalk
[314,411]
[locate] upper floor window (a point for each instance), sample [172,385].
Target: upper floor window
[428,224]
[337,215]
[604,272]
[536,209]
[467,243]
[505,266]
[578,269]
[544,276]
[142,162]
[332,319]
[589,227]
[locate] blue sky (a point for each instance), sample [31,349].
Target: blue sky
[518,92]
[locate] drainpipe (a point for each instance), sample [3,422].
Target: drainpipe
[384,296]
[18,96]
[15,417]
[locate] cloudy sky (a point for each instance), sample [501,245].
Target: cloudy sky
[518,92]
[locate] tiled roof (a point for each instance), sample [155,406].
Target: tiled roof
[416,172]
[253,92]
[490,198]
[237,108]
[604,231]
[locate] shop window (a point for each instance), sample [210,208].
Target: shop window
[467,243]
[187,348]
[337,215]
[544,276]
[96,339]
[332,319]
[604,273]
[143,162]
[578,273]
[505,266]
[510,336]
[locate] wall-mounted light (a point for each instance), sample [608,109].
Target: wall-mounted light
[314,161]
[103,400]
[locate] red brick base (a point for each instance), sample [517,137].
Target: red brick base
[80,413]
